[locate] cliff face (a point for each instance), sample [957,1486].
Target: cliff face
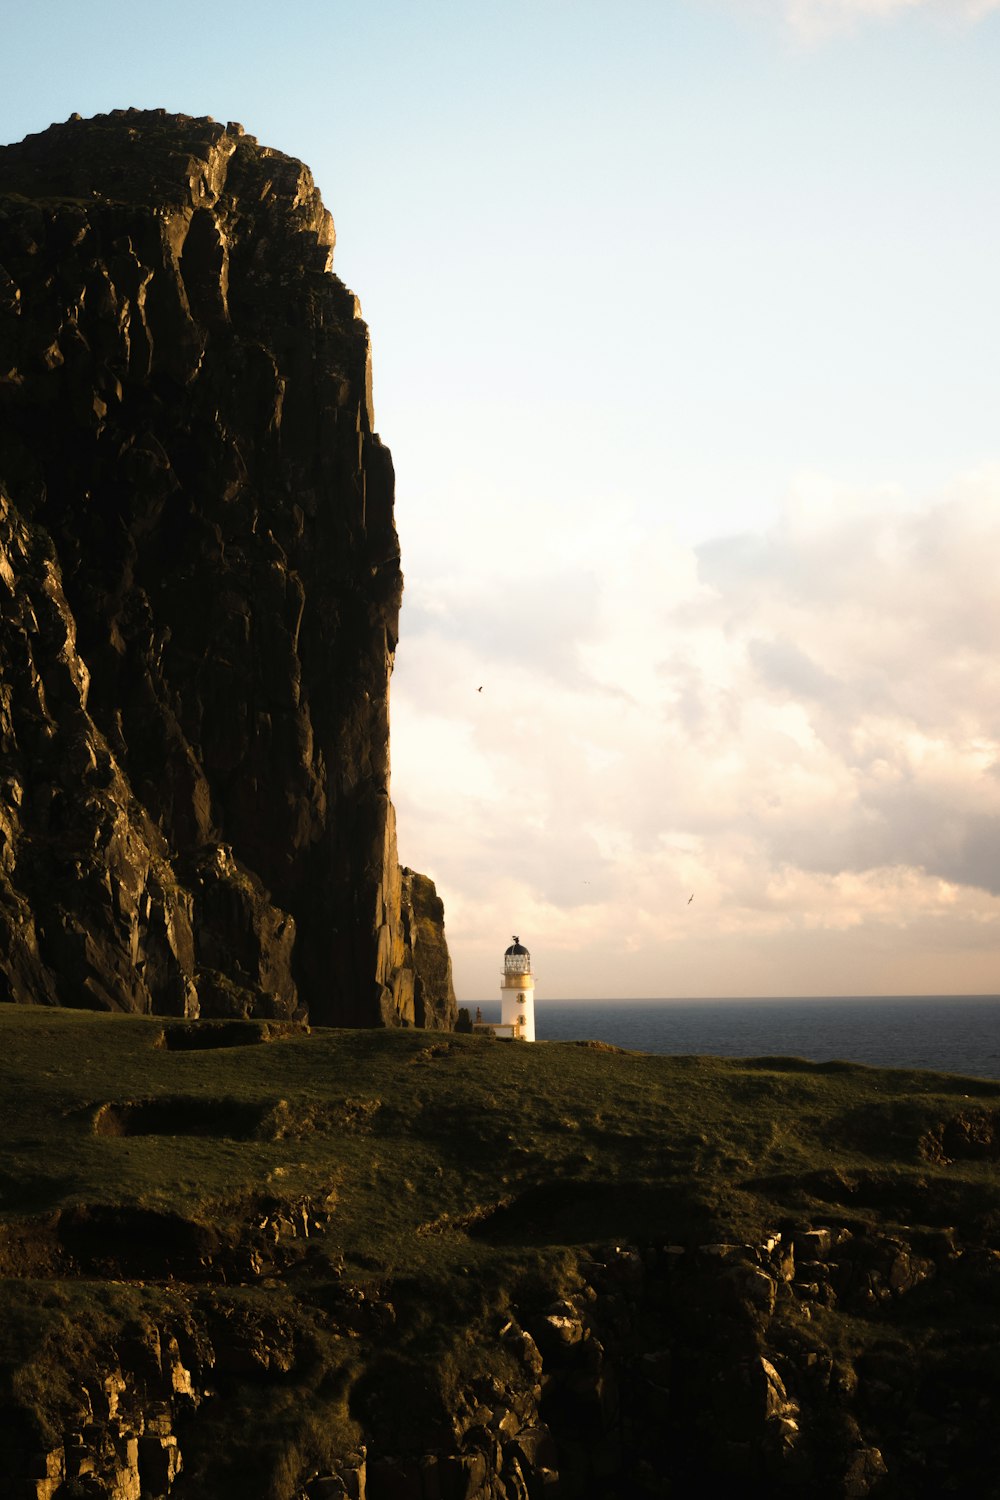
[200,585]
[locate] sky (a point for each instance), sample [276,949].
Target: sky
[686,345]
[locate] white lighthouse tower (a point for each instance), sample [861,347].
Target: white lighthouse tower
[517,994]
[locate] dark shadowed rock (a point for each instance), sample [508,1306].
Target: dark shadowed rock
[423,912]
[199,593]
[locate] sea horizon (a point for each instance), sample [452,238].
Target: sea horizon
[740,999]
[936,1033]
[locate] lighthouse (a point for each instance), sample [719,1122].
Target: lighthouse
[517,994]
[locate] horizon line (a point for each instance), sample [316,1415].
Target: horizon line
[711,999]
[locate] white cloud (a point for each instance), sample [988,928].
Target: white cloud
[816,20]
[799,726]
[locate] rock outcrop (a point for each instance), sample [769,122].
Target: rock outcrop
[200,586]
[661,1370]
[434,1002]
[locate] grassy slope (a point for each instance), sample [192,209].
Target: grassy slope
[456,1172]
[408,1129]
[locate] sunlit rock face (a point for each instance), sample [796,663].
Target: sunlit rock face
[200,588]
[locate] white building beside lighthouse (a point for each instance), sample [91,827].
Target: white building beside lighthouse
[517,995]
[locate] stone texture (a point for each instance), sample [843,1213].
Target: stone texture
[200,586]
[672,1387]
[434,993]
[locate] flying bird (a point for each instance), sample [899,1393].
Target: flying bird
[690,898]
[479,689]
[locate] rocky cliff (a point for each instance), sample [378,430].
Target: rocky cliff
[200,586]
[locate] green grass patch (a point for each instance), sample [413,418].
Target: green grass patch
[389,1197]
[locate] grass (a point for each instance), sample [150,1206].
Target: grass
[451,1176]
[419,1140]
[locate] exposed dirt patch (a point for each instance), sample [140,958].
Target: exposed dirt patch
[886,1129]
[972,1135]
[239,1243]
[198,1036]
[468,1223]
[30,1247]
[219,1119]
[435,1051]
[347,1117]
[123,1242]
[866,1195]
[572,1212]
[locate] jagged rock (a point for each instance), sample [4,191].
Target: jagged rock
[770,1389]
[199,594]
[526,1348]
[159,1464]
[557,1331]
[813,1244]
[669,1401]
[434,1000]
[866,1469]
[760,1290]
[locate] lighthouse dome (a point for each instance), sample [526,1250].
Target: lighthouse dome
[517,959]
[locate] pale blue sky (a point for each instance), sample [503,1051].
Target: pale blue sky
[639,277]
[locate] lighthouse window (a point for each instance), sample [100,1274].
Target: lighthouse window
[521,998]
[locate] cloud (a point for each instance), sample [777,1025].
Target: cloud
[523,614]
[817,20]
[801,726]
[864,644]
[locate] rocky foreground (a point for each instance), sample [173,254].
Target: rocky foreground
[240,1259]
[199,594]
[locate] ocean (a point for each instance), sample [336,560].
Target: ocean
[944,1033]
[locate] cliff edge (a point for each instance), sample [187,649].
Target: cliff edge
[239,1261]
[199,593]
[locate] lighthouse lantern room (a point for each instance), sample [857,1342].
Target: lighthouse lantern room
[517,994]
